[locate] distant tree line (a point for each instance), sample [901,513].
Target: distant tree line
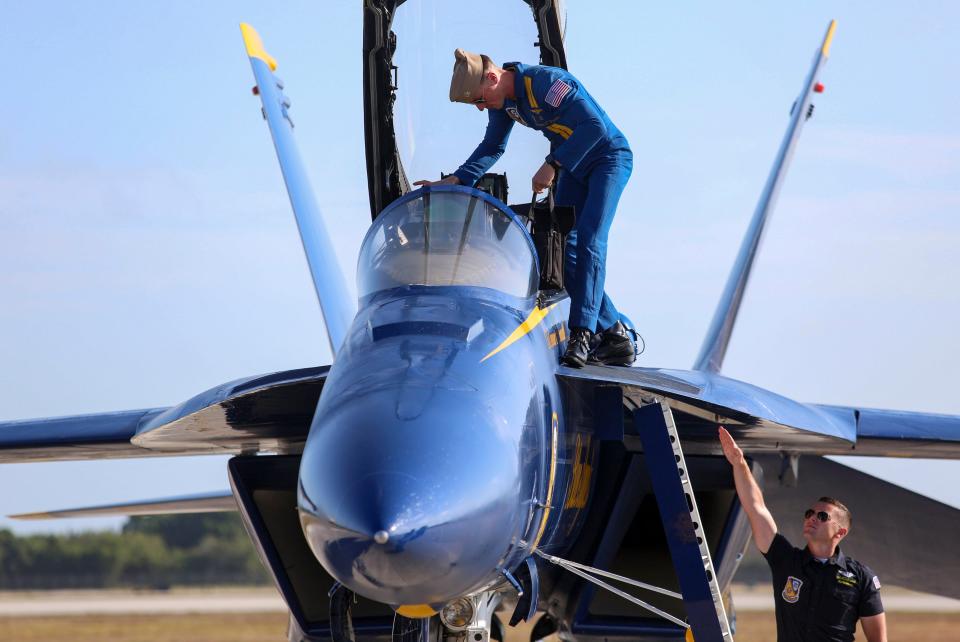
[150,552]
[167,550]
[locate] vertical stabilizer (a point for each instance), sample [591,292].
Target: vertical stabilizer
[336,305]
[721,327]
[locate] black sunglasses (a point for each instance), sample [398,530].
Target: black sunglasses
[823,516]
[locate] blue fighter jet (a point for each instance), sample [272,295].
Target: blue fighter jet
[446,478]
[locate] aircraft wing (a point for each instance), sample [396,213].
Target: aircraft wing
[897,433]
[761,420]
[93,436]
[268,413]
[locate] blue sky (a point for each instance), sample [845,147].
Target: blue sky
[147,251]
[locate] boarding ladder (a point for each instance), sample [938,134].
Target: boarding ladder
[681,522]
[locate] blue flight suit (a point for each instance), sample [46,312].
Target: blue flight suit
[595,162]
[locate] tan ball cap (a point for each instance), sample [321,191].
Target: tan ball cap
[467,75]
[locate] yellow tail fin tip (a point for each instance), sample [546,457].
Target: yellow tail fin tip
[255,46]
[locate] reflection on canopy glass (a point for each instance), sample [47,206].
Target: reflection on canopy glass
[433,134]
[447,238]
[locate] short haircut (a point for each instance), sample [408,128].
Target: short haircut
[844,511]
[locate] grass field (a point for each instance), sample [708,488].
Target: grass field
[751,627]
[901,627]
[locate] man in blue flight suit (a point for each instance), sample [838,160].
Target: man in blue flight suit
[591,161]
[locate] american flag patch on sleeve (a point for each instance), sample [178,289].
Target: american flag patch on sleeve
[558,90]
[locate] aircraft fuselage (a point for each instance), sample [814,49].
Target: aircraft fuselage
[439,456]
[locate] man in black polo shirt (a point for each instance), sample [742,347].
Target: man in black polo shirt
[819,591]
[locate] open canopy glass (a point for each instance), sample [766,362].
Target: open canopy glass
[447,236]
[433,134]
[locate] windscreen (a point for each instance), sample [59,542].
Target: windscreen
[447,238]
[433,134]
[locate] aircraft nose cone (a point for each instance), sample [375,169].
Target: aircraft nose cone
[402,551]
[410,508]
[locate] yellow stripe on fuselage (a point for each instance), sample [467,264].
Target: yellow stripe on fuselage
[524,328]
[528,83]
[255,46]
[561,130]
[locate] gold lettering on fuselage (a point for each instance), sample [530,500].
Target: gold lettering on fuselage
[557,336]
[579,490]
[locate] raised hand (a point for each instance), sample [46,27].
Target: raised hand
[730,448]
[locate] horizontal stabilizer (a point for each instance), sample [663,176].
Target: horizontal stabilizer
[216,502]
[907,539]
[94,436]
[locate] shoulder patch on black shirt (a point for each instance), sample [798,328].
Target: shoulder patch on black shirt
[791,590]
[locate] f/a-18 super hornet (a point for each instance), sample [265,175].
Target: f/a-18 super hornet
[592,502]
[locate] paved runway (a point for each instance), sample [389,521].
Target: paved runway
[34,603]
[264,600]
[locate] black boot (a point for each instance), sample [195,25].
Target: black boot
[616,347]
[578,348]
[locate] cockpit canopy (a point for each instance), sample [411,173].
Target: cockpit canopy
[447,235]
